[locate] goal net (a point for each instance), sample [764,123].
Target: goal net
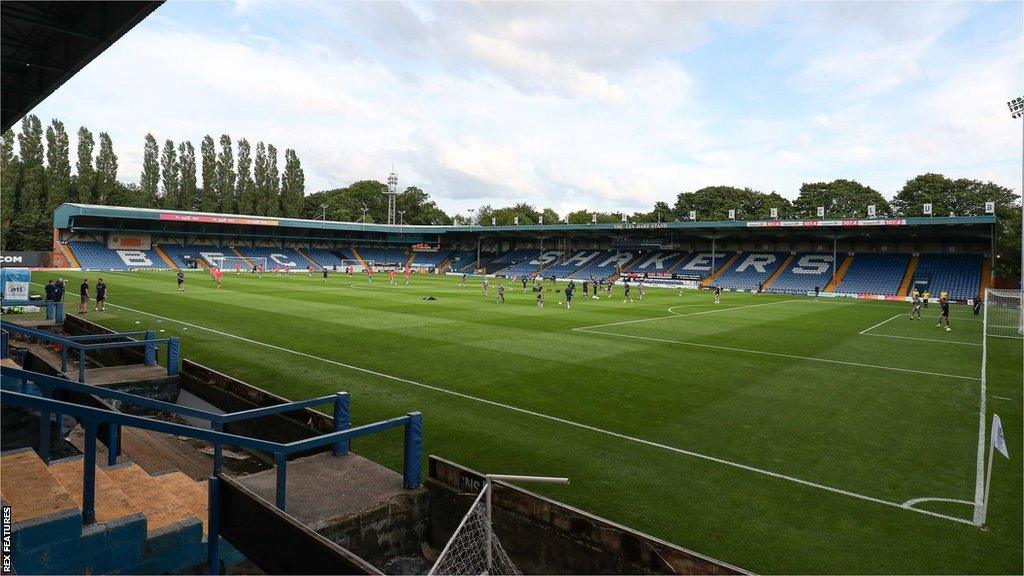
[229,263]
[474,549]
[1003,317]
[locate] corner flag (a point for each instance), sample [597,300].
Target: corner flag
[998,440]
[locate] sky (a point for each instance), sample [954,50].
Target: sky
[598,105]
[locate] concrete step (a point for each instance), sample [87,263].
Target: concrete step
[161,507]
[30,489]
[194,494]
[111,502]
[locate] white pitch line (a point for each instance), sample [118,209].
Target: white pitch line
[880,323]
[1001,397]
[911,503]
[565,421]
[922,339]
[674,315]
[779,354]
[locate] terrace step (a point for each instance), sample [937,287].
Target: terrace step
[194,494]
[908,277]
[707,281]
[29,487]
[69,256]
[161,507]
[111,502]
[847,262]
[778,272]
[359,257]
[238,253]
[308,259]
[167,259]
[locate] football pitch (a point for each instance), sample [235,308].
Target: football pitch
[777,433]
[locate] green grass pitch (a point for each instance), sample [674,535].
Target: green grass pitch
[778,433]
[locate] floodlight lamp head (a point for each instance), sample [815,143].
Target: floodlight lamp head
[1016,107]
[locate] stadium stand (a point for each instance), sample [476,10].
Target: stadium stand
[751,269]
[805,271]
[324,257]
[430,259]
[465,260]
[382,256]
[283,257]
[605,265]
[177,252]
[95,256]
[532,265]
[571,263]
[657,262]
[958,274]
[874,274]
[701,263]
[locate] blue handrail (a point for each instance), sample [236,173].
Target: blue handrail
[47,384]
[54,308]
[67,343]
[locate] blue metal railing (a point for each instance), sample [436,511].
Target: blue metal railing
[88,343]
[338,440]
[54,309]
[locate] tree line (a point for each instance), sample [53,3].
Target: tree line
[38,178]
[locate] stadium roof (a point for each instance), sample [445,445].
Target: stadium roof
[91,217]
[46,43]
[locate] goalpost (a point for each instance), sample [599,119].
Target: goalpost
[1002,318]
[473,548]
[229,263]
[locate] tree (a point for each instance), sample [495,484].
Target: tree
[293,186]
[30,228]
[417,208]
[662,213]
[225,177]
[841,199]
[85,179]
[245,188]
[206,199]
[149,181]
[58,166]
[106,174]
[550,216]
[10,173]
[259,174]
[934,189]
[273,200]
[714,203]
[171,176]
[187,179]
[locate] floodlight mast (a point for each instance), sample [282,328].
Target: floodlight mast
[392,193]
[1017,111]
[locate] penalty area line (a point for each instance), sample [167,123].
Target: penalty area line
[579,425]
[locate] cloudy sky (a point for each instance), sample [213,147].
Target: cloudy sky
[569,105]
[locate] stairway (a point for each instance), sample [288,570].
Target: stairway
[308,259]
[238,253]
[986,275]
[69,256]
[143,524]
[359,257]
[163,255]
[778,272]
[716,273]
[908,277]
[847,262]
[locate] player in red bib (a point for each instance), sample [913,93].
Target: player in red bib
[408,273]
[238,268]
[391,276]
[309,269]
[369,274]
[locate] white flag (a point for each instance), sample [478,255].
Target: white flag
[732,214]
[821,211]
[998,440]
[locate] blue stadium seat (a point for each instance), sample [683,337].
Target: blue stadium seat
[750,269]
[871,273]
[805,271]
[430,259]
[657,262]
[283,257]
[530,265]
[605,265]
[701,263]
[96,256]
[177,252]
[325,258]
[958,274]
[570,263]
[381,256]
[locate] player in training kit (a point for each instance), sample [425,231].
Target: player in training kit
[391,277]
[586,288]
[101,296]
[218,276]
[369,273]
[944,312]
[181,280]
[486,286]
[83,291]
[238,268]
[569,290]
[349,270]
[640,290]
[628,298]
[608,288]
[309,270]
[718,294]
[977,304]
[926,296]
[915,310]
[324,270]
[408,274]
[501,293]
[817,289]
[540,298]
[524,282]
[595,285]
[463,281]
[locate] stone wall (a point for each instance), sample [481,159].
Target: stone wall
[381,533]
[544,536]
